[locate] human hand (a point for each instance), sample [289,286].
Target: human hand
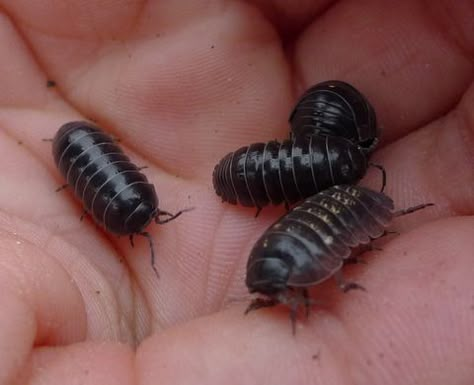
[181,84]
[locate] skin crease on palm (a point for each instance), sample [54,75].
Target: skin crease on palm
[181,84]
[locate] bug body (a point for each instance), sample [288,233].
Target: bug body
[111,188]
[311,243]
[336,108]
[274,172]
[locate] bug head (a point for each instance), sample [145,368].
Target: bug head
[352,162]
[141,217]
[267,276]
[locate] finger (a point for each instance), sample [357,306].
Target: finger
[398,55]
[40,305]
[65,289]
[415,318]
[290,18]
[215,79]
[85,363]
[433,164]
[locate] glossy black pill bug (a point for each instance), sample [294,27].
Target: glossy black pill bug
[336,108]
[287,172]
[313,241]
[109,185]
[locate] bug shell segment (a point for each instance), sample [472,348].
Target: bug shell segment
[309,244]
[109,185]
[336,108]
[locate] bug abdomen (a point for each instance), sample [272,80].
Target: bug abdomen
[275,172]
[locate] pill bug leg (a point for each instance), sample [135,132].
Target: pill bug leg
[61,188]
[355,260]
[412,209]
[344,285]
[151,245]
[83,215]
[296,298]
[307,302]
[384,174]
[293,314]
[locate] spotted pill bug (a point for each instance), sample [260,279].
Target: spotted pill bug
[109,185]
[336,108]
[313,241]
[288,172]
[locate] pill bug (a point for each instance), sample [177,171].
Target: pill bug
[336,108]
[288,172]
[311,243]
[109,185]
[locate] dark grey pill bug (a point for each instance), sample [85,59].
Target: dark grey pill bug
[287,172]
[111,188]
[313,241]
[336,108]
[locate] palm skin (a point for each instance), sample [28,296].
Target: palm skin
[181,84]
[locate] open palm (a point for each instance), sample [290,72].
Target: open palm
[181,84]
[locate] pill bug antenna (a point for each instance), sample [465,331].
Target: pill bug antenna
[412,209]
[384,174]
[169,216]
[152,249]
[259,303]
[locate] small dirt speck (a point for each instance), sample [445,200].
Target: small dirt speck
[316,356]
[50,83]
[97,291]
[212,46]
[20,142]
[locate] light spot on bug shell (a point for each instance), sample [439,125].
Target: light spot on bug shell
[328,240]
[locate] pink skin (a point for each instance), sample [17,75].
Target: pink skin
[181,84]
